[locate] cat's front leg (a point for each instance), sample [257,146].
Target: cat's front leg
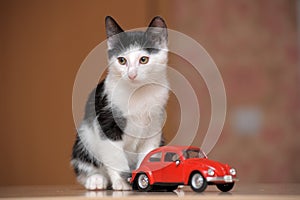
[117,180]
[147,146]
[96,182]
[116,164]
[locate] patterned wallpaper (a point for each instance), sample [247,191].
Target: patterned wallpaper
[254,44]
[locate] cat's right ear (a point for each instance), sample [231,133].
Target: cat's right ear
[112,27]
[157,32]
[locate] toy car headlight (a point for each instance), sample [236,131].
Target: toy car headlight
[210,172]
[232,171]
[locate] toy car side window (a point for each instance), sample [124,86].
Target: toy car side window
[171,157]
[155,157]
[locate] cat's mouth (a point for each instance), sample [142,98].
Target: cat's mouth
[134,82]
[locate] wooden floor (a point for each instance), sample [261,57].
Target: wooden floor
[251,191]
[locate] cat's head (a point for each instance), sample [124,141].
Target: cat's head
[137,56]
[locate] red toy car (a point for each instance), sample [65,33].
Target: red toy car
[169,166]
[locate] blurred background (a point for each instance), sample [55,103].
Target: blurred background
[254,44]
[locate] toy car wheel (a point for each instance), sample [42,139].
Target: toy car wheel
[197,182]
[143,183]
[225,187]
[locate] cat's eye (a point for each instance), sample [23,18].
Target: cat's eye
[122,60]
[144,60]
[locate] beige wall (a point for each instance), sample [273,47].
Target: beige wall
[44,42]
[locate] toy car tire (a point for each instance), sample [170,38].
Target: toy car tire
[143,182]
[225,187]
[197,182]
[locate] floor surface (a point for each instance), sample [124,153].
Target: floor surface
[240,191]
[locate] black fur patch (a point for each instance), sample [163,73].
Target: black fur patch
[126,175]
[110,119]
[162,141]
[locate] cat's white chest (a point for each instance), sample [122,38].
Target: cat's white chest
[139,102]
[143,109]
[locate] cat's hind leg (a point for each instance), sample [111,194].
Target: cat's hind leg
[91,177]
[90,172]
[94,154]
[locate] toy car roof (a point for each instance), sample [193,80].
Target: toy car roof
[174,148]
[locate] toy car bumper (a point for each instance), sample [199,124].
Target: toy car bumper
[222,179]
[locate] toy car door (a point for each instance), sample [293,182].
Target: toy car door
[172,171]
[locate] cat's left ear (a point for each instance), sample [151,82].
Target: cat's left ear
[112,31]
[112,27]
[157,31]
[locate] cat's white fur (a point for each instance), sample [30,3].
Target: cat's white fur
[142,102]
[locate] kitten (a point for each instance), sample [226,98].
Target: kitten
[125,113]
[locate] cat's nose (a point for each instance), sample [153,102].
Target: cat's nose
[132,76]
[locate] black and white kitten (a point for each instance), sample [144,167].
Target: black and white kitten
[125,113]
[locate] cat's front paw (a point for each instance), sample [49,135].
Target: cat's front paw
[96,182]
[120,184]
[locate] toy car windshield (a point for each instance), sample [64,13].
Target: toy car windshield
[193,153]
